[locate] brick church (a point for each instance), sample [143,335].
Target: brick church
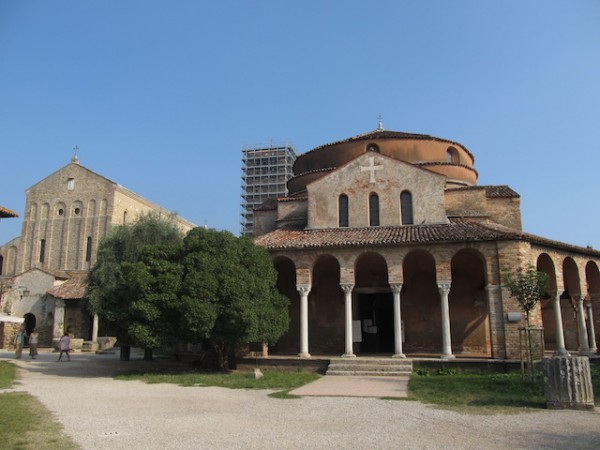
[42,272]
[386,244]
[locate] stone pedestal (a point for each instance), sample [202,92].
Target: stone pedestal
[568,383]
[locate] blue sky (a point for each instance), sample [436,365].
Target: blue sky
[161,96]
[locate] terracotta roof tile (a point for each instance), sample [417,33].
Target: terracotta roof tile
[71,289]
[456,230]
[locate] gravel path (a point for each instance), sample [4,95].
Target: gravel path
[102,413]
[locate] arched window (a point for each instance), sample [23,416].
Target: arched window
[373,210]
[343,210]
[406,209]
[452,155]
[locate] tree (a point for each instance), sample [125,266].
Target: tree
[135,278]
[527,286]
[228,293]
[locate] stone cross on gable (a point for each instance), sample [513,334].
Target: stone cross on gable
[371,168]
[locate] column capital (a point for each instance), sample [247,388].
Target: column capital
[347,288]
[303,288]
[444,286]
[396,287]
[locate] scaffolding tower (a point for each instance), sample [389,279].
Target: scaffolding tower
[265,172]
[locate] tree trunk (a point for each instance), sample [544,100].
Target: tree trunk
[148,354]
[125,351]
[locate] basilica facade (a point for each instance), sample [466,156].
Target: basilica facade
[386,244]
[42,271]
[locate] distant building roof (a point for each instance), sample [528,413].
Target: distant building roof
[71,289]
[5,213]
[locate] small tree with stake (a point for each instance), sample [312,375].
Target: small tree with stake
[527,286]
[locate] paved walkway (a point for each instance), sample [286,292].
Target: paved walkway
[346,386]
[99,412]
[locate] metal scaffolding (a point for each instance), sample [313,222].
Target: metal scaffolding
[265,172]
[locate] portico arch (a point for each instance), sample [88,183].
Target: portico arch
[421,304]
[374,304]
[326,307]
[469,316]
[570,294]
[549,322]
[592,275]
[286,284]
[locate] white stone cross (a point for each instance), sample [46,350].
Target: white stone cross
[371,168]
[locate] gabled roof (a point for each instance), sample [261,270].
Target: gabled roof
[457,230]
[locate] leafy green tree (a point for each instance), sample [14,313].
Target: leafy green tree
[135,278]
[527,287]
[228,293]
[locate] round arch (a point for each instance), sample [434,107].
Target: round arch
[545,264]
[592,275]
[469,316]
[373,305]
[421,304]
[286,284]
[326,307]
[572,289]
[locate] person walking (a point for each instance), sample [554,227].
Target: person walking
[19,341]
[64,346]
[33,343]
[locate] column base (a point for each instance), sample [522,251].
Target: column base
[585,352]
[448,357]
[561,353]
[348,355]
[399,355]
[303,355]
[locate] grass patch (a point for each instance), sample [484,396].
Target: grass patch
[237,380]
[25,424]
[480,393]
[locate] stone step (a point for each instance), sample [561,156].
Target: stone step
[372,362]
[369,367]
[364,373]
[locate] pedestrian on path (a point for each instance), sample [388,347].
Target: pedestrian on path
[64,346]
[19,341]
[33,343]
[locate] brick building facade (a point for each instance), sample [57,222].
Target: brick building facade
[66,216]
[386,244]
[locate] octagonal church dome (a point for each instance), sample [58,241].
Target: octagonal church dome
[438,155]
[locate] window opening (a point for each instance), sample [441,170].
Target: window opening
[406,208]
[343,210]
[374,210]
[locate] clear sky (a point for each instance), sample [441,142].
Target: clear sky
[161,96]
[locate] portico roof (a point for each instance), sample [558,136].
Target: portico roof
[457,230]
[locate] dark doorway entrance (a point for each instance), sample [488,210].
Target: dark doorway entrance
[377,322]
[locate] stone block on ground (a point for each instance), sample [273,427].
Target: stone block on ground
[568,383]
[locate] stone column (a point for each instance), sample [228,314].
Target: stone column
[591,330]
[58,327]
[348,352]
[396,288]
[303,289]
[444,289]
[584,345]
[95,329]
[560,334]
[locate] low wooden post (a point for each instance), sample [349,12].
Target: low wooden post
[568,383]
